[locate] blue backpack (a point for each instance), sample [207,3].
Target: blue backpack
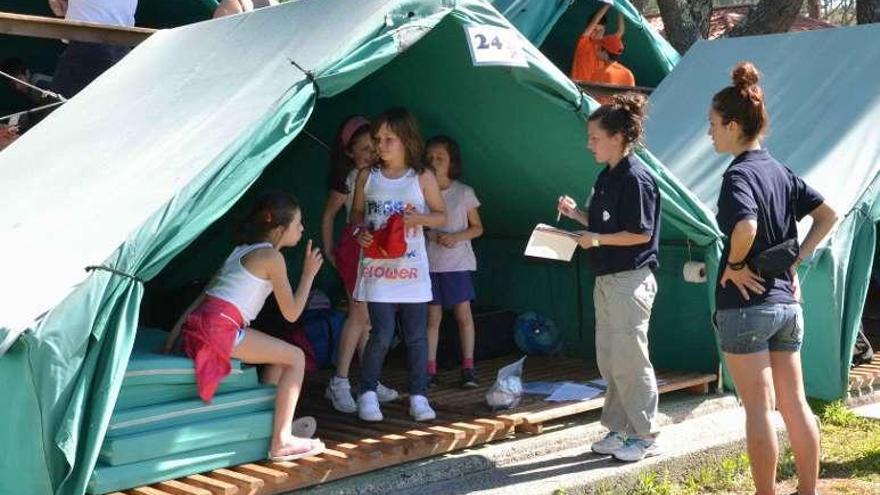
[323,328]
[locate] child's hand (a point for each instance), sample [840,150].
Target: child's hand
[313,260]
[447,240]
[364,238]
[411,220]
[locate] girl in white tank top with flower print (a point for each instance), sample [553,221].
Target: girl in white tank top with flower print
[399,186]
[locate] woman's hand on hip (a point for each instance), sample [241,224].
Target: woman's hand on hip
[745,280]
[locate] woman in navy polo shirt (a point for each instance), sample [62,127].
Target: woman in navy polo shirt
[759,320]
[623,218]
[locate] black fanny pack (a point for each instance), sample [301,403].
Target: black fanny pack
[775,260]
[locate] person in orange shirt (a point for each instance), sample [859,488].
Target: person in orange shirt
[612,71]
[587,59]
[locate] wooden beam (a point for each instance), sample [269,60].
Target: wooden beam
[52,28]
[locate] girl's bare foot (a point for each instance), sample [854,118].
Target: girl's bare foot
[296,448]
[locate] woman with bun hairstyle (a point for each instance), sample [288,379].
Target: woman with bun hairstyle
[759,320]
[623,229]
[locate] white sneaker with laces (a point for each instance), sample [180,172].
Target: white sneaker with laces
[339,393]
[368,407]
[612,442]
[636,449]
[420,409]
[386,394]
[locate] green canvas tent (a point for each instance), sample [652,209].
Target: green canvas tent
[824,125]
[145,170]
[555,25]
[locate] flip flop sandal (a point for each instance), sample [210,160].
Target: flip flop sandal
[317,447]
[304,427]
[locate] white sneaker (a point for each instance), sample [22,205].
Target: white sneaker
[612,442]
[339,393]
[420,409]
[386,394]
[368,407]
[636,449]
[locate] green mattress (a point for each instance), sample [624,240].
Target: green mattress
[151,394]
[148,366]
[107,478]
[163,442]
[161,416]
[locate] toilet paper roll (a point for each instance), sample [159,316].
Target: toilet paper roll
[694,271]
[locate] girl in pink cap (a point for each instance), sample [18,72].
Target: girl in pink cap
[353,151]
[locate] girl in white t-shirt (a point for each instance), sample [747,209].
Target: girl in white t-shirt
[353,151]
[451,255]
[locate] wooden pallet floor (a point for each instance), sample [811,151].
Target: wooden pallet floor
[356,447]
[864,377]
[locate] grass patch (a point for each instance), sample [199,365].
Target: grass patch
[850,455]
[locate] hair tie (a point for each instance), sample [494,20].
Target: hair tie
[267,216]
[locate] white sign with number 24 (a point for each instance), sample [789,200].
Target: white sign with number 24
[494,45]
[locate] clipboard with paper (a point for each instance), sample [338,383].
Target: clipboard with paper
[552,243]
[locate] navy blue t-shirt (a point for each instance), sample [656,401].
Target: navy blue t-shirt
[625,198]
[756,186]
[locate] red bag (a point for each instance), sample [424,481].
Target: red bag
[389,242]
[347,254]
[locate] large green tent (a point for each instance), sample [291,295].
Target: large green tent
[555,25]
[146,169]
[825,125]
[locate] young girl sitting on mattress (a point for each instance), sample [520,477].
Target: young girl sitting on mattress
[215,328]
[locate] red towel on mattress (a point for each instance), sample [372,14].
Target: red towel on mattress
[207,337]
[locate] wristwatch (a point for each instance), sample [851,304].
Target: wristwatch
[594,240]
[737,266]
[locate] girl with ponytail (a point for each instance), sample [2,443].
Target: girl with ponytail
[759,319]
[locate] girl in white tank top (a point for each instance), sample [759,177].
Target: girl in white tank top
[215,327]
[398,184]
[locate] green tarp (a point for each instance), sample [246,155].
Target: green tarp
[555,25]
[825,125]
[146,169]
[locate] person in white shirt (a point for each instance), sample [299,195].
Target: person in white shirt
[81,63]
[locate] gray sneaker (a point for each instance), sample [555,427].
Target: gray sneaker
[339,393]
[386,394]
[613,441]
[636,449]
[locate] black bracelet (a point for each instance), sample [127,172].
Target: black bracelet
[737,266]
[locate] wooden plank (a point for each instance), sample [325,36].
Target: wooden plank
[176,487]
[267,474]
[247,484]
[531,428]
[52,28]
[146,490]
[214,486]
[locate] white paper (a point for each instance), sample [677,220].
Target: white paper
[541,388]
[574,392]
[551,243]
[495,45]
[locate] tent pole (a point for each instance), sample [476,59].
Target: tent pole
[52,28]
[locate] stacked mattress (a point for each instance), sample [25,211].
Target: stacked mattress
[161,429]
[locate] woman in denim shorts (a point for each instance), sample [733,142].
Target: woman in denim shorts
[759,319]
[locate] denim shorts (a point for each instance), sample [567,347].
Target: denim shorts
[774,327]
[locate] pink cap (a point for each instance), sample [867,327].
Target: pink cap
[351,126]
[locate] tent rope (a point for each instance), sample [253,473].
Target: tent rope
[114,271]
[43,92]
[309,75]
